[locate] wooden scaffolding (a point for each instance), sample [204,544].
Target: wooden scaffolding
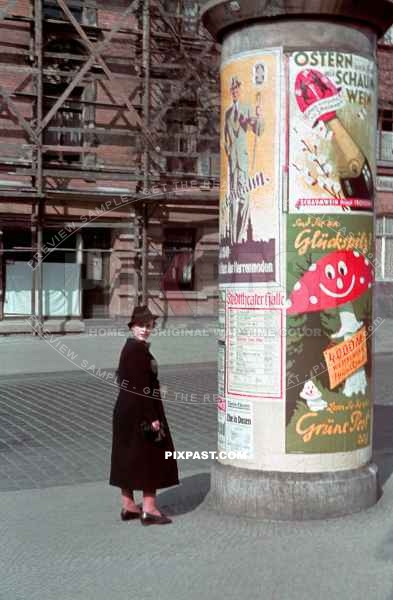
[98,96]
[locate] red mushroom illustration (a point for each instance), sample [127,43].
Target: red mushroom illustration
[318,99]
[333,281]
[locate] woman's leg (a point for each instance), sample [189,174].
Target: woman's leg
[149,502]
[127,500]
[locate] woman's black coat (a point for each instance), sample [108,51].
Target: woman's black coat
[138,463]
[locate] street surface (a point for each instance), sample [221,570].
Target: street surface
[55,429]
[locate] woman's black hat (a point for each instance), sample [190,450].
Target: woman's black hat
[141,315]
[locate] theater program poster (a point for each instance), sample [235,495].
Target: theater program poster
[254,343]
[333,104]
[239,427]
[329,332]
[250,183]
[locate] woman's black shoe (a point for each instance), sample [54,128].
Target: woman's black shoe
[149,519]
[128,515]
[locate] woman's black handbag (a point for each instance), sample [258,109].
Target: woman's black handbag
[150,434]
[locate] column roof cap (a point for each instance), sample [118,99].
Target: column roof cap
[220,15]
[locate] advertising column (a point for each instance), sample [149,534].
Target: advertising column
[296,265]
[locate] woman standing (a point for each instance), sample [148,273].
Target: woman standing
[141,434]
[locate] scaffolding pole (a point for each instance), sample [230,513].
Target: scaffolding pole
[146,156]
[2,286]
[37,212]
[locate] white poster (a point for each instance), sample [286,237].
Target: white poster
[94,268]
[221,368]
[254,339]
[221,416]
[332,121]
[221,313]
[239,427]
[221,404]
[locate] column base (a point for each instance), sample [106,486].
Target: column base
[283,496]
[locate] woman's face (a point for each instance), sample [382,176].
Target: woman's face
[142,332]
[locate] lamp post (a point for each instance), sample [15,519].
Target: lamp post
[298,122]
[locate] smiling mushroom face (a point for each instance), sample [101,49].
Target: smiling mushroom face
[333,280]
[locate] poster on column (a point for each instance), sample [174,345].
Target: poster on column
[221,417]
[221,313]
[221,403]
[329,332]
[333,104]
[250,182]
[254,342]
[239,427]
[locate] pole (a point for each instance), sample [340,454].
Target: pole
[1,277]
[146,155]
[39,208]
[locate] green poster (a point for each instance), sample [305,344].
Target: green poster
[329,331]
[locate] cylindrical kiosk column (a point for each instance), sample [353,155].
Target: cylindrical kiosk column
[298,131]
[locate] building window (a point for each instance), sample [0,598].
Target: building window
[386,120]
[385,143]
[178,253]
[51,10]
[18,278]
[60,274]
[66,128]
[182,134]
[190,14]
[384,249]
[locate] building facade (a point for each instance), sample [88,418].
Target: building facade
[384,221]
[109,162]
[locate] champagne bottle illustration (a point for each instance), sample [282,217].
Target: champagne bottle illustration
[318,99]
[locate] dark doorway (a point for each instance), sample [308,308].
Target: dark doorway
[96,273]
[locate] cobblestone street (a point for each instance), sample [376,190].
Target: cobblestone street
[55,429]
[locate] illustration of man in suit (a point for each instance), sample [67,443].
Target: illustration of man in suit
[239,119]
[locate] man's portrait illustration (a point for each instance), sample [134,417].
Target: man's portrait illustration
[240,119]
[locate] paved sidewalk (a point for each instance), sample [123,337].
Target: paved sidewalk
[178,342]
[69,544]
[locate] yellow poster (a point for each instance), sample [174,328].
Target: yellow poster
[249,195]
[346,358]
